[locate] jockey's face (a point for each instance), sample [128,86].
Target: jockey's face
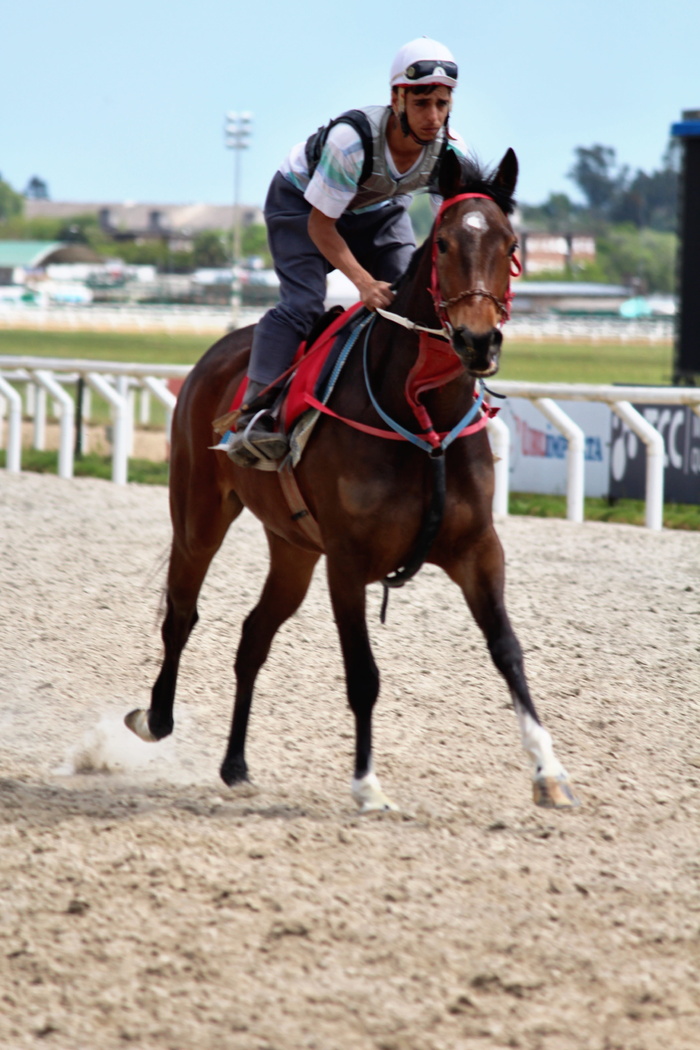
[426,113]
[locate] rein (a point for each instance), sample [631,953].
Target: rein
[411,325]
[433,443]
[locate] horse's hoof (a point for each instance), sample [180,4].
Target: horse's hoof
[554,793]
[234,773]
[137,722]
[369,796]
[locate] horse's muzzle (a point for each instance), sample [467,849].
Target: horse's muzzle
[479,353]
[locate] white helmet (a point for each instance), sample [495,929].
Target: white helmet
[423,61]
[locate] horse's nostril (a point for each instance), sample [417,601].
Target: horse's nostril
[479,352]
[462,339]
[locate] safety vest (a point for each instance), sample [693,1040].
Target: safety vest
[376,183]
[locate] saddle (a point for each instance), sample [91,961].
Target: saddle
[312,365]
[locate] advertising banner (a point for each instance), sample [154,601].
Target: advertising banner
[679,427]
[538,450]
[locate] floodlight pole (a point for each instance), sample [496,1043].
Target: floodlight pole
[237,132]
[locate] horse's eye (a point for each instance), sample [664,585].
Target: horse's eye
[513,248]
[442,245]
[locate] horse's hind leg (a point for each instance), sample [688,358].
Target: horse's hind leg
[288,579]
[194,545]
[481,577]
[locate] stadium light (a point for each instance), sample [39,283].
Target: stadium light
[238,129]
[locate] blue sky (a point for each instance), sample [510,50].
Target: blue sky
[127,101]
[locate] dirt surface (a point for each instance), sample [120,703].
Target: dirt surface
[143,904]
[149,443]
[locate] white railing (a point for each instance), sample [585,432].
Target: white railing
[539,327]
[544,396]
[117,383]
[130,317]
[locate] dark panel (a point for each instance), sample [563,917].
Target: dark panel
[687,342]
[680,429]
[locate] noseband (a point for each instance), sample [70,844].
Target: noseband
[441,305]
[503,306]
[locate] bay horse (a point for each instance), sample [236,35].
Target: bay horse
[373,501]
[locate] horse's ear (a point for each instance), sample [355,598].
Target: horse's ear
[507,174]
[450,177]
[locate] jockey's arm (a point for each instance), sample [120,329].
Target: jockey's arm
[324,233]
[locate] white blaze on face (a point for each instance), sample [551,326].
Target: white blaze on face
[474,221]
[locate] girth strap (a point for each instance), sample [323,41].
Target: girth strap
[297,504]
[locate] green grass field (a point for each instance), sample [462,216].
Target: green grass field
[600,363]
[637,364]
[546,362]
[140,347]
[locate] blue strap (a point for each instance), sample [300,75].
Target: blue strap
[364,322]
[407,434]
[466,420]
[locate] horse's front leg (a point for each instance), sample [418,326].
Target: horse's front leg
[362,679]
[480,574]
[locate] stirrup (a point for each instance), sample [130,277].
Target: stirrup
[261,448]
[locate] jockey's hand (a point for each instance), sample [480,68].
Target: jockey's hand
[375,293]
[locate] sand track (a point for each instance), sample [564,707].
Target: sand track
[143,905]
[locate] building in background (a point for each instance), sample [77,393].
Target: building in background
[555,252]
[174,224]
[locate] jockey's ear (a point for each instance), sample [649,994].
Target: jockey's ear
[507,174]
[450,177]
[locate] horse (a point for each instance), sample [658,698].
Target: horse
[379,508]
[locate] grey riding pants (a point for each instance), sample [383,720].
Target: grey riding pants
[381,240]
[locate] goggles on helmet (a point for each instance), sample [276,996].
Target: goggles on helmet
[429,67]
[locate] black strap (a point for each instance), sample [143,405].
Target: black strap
[360,122]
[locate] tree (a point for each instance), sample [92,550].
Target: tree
[11,203]
[254,243]
[81,229]
[36,189]
[650,200]
[558,214]
[641,257]
[208,249]
[645,199]
[597,176]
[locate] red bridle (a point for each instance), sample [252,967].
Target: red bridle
[503,305]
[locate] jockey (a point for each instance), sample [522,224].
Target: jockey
[339,201]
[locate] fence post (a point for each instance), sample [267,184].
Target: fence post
[159,388]
[13,462]
[654,511]
[499,436]
[39,417]
[67,414]
[574,454]
[120,426]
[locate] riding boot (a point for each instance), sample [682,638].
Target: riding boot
[256,441]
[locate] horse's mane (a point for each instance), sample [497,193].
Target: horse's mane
[475,178]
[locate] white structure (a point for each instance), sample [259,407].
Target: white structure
[237,132]
[117,383]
